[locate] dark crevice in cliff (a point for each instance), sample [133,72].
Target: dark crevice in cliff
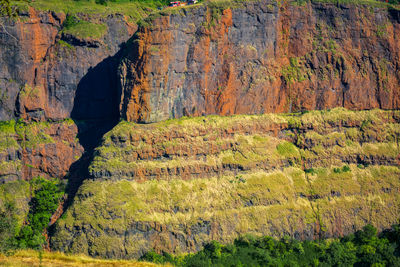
[95,112]
[90,135]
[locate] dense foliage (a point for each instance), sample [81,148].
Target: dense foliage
[46,197]
[8,227]
[364,248]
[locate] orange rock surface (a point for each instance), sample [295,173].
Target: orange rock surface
[262,57]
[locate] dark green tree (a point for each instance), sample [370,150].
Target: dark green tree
[8,227]
[42,206]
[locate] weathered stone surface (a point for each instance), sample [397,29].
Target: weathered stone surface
[259,57]
[46,74]
[46,150]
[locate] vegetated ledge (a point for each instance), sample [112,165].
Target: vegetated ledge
[206,146]
[312,175]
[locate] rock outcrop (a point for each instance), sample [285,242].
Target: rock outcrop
[47,73]
[261,56]
[37,149]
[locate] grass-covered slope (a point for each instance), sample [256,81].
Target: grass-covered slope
[28,258]
[178,184]
[200,147]
[28,151]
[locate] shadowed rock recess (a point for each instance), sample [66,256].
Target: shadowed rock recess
[204,123]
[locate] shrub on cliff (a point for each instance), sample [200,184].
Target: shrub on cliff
[46,198]
[8,227]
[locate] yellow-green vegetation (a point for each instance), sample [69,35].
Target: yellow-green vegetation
[7,135]
[65,44]
[91,13]
[14,135]
[16,193]
[260,202]
[22,258]
[8,145]
[295,72]
[179,201]
[317,173]
[203,135]
[373,3]
[215,8]
[33,133]
[322,138]
[87,29]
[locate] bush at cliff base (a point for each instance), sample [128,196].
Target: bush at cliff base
[363,248]
[46,197]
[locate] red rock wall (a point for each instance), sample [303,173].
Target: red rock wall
[46,150]
[48,74]
[262,57]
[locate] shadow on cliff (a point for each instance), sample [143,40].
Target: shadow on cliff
[95,112]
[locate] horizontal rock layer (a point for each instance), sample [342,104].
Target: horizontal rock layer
[175,185]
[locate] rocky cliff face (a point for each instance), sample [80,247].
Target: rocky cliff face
[48,73]
[264,56]
[176,185]
[37,149]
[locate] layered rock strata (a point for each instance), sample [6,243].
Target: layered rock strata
[174,186]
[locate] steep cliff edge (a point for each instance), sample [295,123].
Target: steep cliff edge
[59,60]
[37,149]
[230,57]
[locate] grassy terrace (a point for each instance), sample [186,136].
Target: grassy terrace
[89,13]
[179,201]
[263,200]
[138,10]
[319,138]
[261,203]
[85,18]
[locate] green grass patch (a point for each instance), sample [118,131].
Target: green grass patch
[29,257]
[86,29]
[287,149]
[135,10]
